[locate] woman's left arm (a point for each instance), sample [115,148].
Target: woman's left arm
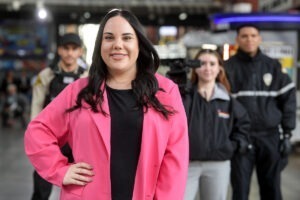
[173,171]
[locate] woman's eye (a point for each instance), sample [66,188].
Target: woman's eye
[127,38]
[108,37]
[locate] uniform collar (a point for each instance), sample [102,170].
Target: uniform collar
[244,56]
[220,93]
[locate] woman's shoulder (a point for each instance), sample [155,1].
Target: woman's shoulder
[164,82]
[79,83]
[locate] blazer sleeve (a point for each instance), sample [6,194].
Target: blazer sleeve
[45,135]
[173,172]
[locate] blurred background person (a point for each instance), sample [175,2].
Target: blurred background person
[259,83]
[10,77]
[14,107]
[218,128]
[25,85]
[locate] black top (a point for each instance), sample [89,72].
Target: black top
[126,136]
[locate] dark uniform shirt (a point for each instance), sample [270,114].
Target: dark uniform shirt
[264,90]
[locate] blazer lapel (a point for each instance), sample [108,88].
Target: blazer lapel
[103,124]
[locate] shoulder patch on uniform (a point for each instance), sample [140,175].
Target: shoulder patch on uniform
[38,81]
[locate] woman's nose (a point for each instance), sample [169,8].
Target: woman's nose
[118,44]
[204,65]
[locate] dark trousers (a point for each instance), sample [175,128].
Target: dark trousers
[265,157]
[42,188]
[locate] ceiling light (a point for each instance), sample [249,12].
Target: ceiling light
[183,16]
[16,5]
[87,15]
[42,13]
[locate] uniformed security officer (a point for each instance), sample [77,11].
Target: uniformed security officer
[49,83]
[268,94]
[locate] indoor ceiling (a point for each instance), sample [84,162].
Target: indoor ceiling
[154,12]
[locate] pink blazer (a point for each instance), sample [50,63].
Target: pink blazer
[162,168]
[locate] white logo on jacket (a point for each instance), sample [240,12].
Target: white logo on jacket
[223,114]
[267,79]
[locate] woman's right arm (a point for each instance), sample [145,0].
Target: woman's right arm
[45,135]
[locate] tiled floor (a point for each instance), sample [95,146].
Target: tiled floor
[16,171]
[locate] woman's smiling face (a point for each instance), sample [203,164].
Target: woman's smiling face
[209,69]
[119,48]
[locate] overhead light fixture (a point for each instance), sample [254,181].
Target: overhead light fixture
[278,21]
[209,46]
[16,5]
[42,13]
[256,17]
[183,16]
[87,15]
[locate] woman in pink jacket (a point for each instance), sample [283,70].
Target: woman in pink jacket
[126,124]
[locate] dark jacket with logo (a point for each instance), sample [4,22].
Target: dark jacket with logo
[216,127]
[264,90]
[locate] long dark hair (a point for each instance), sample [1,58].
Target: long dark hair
[221,78]
[145,84]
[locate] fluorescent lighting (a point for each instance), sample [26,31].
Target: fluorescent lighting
[219,19]
[183,16]
[209,46]
[42,13]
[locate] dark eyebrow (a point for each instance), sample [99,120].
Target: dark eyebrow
[127,34]
[109,33]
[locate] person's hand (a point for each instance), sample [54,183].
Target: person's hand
[285,147]
[243,146]
[79,174]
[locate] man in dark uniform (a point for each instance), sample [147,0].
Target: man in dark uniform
[267,92]
[49,83]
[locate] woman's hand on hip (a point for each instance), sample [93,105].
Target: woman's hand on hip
[79,174]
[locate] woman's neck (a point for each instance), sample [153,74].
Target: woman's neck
[119,82]
[206,89]
[118,79]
